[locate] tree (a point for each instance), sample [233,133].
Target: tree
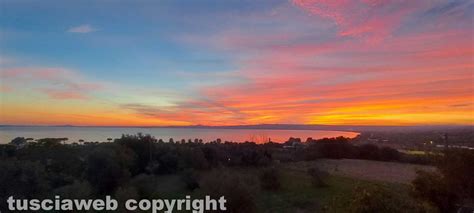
[369,152]
[431,187]
[452,184]
[7,150]
[168,163]
[50,142]
[107,169]
[22,179]
[143,147]
[19,141]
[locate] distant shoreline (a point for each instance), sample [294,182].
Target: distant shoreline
[205,133]
[355,128]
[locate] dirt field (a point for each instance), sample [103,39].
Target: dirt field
[365,169]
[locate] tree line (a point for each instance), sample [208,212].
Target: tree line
[49,167]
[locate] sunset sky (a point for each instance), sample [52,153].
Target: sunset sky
[233,62]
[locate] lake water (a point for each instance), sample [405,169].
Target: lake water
[207,134]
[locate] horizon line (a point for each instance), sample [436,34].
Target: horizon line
[243,125]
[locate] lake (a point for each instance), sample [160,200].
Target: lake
[206,134]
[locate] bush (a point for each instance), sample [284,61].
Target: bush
[317,177]
[76,190]
[378,199]
[193,158]
[334,148]
[431,187]
[369,152]
[457,168]
[190,180]
[452,184]
[123,194]
[389,154]
[144,185]
[106,170]
[238,190]
[143,148]
[7,150]
[168,163]
[22,179]
[270,179]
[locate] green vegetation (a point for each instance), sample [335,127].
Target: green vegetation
[253,178]
[452,185]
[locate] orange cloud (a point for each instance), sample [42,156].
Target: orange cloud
[397,71]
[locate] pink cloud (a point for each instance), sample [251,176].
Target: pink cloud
[57,83]
[5,88]
[291,76]
[64,94]
[373,20]
[286,84]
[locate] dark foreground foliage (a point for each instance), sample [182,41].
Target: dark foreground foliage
[127,167]
[317,177]
[452,185]
[270,179]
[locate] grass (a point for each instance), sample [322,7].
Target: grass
[378,171]
[416,152]
[297,193]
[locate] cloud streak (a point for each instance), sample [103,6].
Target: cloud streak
[372,20]
[303,61]
[56,83]
[84,28]
[413,77]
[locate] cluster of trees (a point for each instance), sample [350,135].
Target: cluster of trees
[420,139]
[127,167]
[341,147]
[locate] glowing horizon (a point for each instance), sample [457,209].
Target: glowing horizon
[340,62]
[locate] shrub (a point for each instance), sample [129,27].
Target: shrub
[106,170]
[452,184]
[143,148]
[123,194]
[378,199]
[457,168]
[144,185]
[18,141]
[7,150]
[238,190]
[431,187]
[369,152]
[22,179]
[190,180]
[169,163]
[193,158]
[76,190]
[317,177]
[389,154]
[270,179]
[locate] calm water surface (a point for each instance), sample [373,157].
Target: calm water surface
[207,134]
